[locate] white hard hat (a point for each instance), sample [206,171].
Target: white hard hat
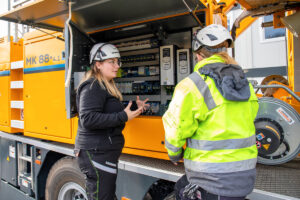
[103,51]
[211,36]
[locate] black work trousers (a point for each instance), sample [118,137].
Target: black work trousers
[100,168]
[182,182]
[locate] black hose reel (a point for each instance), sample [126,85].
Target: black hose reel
[277,132]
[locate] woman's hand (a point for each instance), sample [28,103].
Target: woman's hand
[132,114]
[142,104]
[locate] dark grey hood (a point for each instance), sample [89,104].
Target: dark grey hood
[230,80]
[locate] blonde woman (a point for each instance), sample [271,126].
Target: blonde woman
[102,118]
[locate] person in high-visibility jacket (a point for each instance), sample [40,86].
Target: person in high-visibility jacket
[212,112]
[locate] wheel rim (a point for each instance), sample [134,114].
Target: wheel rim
[72,191]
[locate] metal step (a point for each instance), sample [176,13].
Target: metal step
[17,65]
[17,104]
[275,182]
[16,84]
[282,179]
[26,158]
[17,124]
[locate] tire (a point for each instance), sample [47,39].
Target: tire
[65,181]
[161,189]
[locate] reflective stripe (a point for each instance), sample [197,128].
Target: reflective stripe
[111,164]
[241,183]
[172,147]
[224,167]
[203,89]
[208,145]
[104,168]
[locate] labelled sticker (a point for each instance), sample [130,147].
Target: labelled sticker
[260,136]
[285,116]
[266,146]
[12,152]
[258,144]
[166,66]
[25,183]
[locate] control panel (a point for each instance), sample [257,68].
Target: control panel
[183,64]
[167,65]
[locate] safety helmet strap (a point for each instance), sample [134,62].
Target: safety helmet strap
[195,39]
[99,51]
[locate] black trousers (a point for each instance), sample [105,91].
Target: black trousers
[100,168]
[182,182]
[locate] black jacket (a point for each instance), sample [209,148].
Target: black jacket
[101,118]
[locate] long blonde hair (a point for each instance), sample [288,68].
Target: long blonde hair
[110,86]
[227,58]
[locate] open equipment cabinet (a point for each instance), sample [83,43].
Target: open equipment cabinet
[154,38]
[149,35]
[149,41]
[56,55]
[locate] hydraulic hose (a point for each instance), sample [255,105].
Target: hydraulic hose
[68,79]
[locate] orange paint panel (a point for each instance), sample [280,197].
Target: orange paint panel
[17,51]
[44,53]
[11,51]
[16,74]
[44,92]
[5,52]
[291,57]
[145,133]
[229,5]
[245,4]
[6,129]
[209,12]
[49,137]
[44,103]
[151,154]
[4,101]
[4,66]
[38,162]
[144,136]
[244,24]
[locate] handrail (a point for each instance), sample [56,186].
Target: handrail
[280,86]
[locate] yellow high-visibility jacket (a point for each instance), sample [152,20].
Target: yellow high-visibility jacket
[219,134]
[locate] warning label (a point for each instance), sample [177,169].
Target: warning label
[266,146]
[258,144]
[285,116]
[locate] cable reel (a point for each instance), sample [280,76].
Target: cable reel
[277,131]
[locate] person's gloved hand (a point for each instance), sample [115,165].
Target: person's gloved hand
[177,158]
[191,191]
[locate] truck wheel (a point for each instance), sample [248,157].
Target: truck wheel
[65,181]
[161,189]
